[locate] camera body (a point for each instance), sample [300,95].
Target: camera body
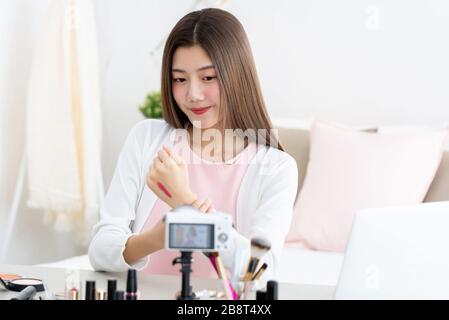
[188,229]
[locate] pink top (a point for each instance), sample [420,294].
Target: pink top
[218,181]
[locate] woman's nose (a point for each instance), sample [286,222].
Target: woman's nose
[195,92]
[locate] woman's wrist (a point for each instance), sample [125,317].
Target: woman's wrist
[186,199]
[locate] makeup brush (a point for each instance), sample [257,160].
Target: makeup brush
[259,247]
[213,261]
[259,272]
[221,271]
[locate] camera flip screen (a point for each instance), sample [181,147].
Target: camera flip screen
[191,236]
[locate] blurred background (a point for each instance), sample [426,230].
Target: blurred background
[355,62]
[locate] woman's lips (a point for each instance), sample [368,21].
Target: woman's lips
[200,110]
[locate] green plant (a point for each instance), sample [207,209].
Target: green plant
[152,108]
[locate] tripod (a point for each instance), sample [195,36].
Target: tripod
[186,262]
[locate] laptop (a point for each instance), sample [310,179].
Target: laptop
[397,253]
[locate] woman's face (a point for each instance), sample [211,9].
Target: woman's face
[195,86]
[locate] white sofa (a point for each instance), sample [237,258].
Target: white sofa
[300,265]
[319,267]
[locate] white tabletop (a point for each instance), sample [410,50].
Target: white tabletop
[151,287]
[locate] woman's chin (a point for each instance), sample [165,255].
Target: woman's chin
[204,123]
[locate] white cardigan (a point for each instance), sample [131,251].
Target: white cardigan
[264,204]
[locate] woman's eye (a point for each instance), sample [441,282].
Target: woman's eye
[178,80]
[209,78]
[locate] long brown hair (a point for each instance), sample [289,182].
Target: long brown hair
[223,38]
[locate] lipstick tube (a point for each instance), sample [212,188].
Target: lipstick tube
[90,290]
[112,287]
[131,285]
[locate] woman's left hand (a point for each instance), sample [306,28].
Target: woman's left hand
[168,178]
[204,206]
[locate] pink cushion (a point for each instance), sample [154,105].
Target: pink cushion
[349,170]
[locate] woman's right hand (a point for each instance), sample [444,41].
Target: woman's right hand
[140,245]
[153,240]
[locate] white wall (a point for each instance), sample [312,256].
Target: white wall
[380,62]
[353,61]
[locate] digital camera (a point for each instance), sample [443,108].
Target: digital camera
[188,229]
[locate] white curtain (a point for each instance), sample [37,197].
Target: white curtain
[64,120]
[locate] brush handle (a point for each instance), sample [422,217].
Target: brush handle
[222,273]
[234,294]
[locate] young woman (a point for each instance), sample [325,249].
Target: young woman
[228,159]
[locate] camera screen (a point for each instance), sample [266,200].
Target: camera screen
[191,236]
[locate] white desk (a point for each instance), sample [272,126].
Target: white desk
[150,286]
